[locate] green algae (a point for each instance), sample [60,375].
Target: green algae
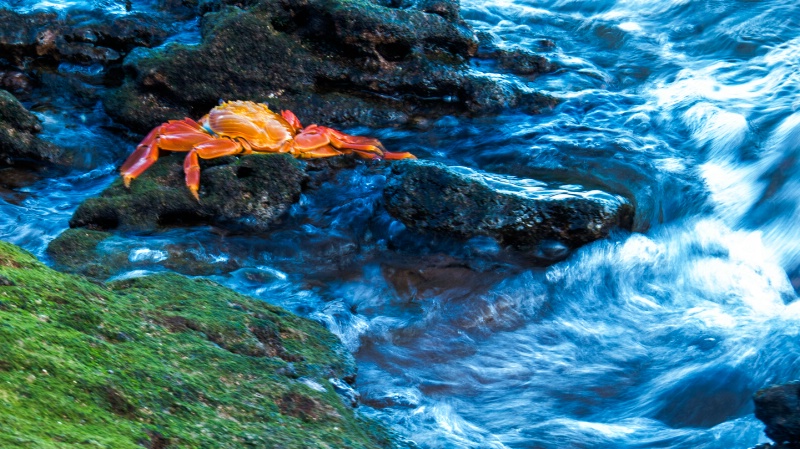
[163,361]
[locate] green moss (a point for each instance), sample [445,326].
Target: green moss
[75,251]
[162,361]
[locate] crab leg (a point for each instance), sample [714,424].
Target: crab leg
[175,135]
[361,144]
[146,154]
[321,141]
[210,149]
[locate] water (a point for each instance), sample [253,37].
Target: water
[656,338]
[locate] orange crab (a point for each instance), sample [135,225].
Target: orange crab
[244,127]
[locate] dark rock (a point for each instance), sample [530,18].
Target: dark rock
[29,41]
[523,62]
[439,276]
[18,129]
[462,203]
[252,193]
[330,61]
[518,61]
[15,81]
[12,178]
[778,407]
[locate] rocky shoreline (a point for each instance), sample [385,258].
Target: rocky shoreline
[164,361]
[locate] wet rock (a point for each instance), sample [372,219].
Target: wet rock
[440,276]
[74,251]
[330,61]
[15,81]
[249,193]
[517,61]
[101,255]
[11,179]
[18,129]
[463,203]
[778,407]
[31,41]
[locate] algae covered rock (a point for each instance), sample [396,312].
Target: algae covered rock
[18,129]
[527,214]
[164,361]
[100,255]
[250,192]
[74,251]
[330,61]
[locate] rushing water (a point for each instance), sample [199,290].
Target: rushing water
[652,339]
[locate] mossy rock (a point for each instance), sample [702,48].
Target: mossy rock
[100,255]
[75,251]
[163,361]
[251,192]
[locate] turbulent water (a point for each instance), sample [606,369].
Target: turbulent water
[656,338]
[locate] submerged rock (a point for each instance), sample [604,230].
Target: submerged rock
[331,61]
[250,193]
[100,255]
[18,129]
[524,214]
[517,61]
[165,361]
[778,407]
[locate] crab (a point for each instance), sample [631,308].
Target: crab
[245,127]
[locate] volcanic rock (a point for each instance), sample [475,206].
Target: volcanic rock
[84,37]
[524,214]
[778,407]
[517,61]
[249,193]
[18,129]
[330,61]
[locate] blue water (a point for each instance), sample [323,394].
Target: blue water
[653,339]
